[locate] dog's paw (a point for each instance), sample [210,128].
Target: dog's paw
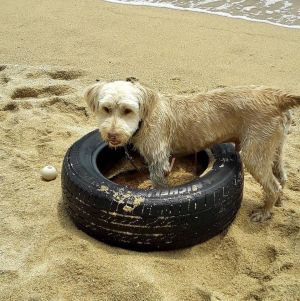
[160,185]
[260,215]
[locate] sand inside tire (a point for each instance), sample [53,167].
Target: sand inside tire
[123,172]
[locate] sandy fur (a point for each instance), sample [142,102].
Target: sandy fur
[255,118]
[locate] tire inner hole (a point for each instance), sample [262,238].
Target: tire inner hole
[115,166]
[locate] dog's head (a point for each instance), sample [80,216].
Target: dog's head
[119,106]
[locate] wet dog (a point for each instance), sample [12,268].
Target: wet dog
[255,118]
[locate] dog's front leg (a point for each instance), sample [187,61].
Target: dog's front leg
[158,172]
[157,157]
[159,168]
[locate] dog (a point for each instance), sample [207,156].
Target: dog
[255,118]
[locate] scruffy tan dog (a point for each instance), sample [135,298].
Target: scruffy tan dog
[160,125]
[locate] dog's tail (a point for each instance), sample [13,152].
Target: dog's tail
[288,101]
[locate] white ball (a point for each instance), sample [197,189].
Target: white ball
[48,173]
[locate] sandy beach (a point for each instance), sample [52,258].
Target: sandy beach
[49,52]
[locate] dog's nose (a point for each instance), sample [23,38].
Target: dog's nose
[112,136]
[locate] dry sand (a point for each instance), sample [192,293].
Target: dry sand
[42,255]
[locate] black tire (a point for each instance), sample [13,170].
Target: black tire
[149,219]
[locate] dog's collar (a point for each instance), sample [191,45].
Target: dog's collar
[138,128]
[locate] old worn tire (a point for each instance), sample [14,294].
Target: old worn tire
[149,219]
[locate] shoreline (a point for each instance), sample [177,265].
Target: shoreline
[199,10]
[169,49]
[54,50]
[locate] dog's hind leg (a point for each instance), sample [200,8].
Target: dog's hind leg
[288,120]
[258,160]
[278,167]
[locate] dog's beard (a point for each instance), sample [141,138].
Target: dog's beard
[120,140]
[122,131]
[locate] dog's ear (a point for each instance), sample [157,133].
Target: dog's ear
[91,96]
[147,100]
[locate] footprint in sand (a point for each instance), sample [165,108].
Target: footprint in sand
[55,74]
[60,97]
[272,253]
[287,230]
[2,67]
[39,92]
[4,79]
[65,74]
[286,266]
[11,106]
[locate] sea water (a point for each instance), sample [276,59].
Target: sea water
[278,12]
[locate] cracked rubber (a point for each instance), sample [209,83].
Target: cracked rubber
[155,219]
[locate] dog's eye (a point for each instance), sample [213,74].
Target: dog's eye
[127,111]
[106,109]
